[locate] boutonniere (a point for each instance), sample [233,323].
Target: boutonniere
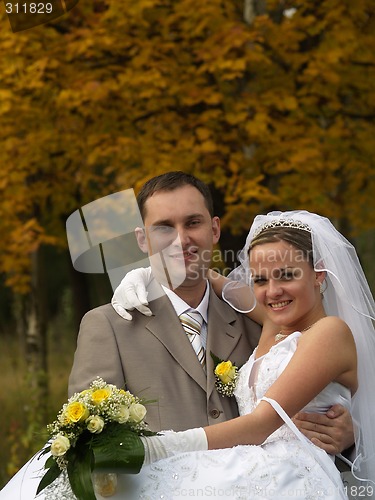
[226,375]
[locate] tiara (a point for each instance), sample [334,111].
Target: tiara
[293,223]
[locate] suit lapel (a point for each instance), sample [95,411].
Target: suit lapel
[222,336]
[166,326]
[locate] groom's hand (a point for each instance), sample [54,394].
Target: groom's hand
[332,431]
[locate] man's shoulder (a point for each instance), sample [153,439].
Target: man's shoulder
[100,314]
[159,306]
[103,309]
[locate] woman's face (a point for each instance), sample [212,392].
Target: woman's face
[285,284]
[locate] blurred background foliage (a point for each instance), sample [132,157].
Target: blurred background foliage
[271,102]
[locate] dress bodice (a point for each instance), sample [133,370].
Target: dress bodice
[258,374]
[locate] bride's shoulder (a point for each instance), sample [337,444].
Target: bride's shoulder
[331,326]
[331,322]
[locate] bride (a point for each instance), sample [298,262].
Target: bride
[307,279]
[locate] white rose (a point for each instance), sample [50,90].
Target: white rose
[123,415]
[95,424]
[60,445]
[137,412]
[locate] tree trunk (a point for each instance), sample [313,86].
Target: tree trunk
[80,294]
[36,344]
[253,8]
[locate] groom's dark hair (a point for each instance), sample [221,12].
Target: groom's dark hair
[169,182]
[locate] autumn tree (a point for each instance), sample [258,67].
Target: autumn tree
[275,108]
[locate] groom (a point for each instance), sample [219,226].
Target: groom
[153,355]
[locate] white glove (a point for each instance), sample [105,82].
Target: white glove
[172,443]
[132,294]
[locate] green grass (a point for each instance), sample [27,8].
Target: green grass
[19,440]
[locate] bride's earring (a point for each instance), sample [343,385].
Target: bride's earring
[323,287]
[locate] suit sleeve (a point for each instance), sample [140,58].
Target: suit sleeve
[97,353]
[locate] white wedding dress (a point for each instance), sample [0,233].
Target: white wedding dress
[287,465]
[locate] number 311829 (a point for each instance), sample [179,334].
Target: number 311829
[28,8]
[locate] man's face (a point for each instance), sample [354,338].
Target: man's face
[179,236]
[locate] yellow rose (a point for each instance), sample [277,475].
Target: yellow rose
[225,371]
[137,412]
[95,424]
[76,412]
[60,445]
[100,395]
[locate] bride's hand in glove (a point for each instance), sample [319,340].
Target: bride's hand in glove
[170,443]
[132,293]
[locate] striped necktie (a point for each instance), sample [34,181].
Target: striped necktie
[192,323]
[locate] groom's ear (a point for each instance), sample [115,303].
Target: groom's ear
[140,234]
[215,229]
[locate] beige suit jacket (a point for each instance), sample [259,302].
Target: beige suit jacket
[154,358]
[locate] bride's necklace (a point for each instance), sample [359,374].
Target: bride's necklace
[281,336]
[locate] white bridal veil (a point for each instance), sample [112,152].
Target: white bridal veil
[348,296]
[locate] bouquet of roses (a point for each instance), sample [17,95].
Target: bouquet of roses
[97,429]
